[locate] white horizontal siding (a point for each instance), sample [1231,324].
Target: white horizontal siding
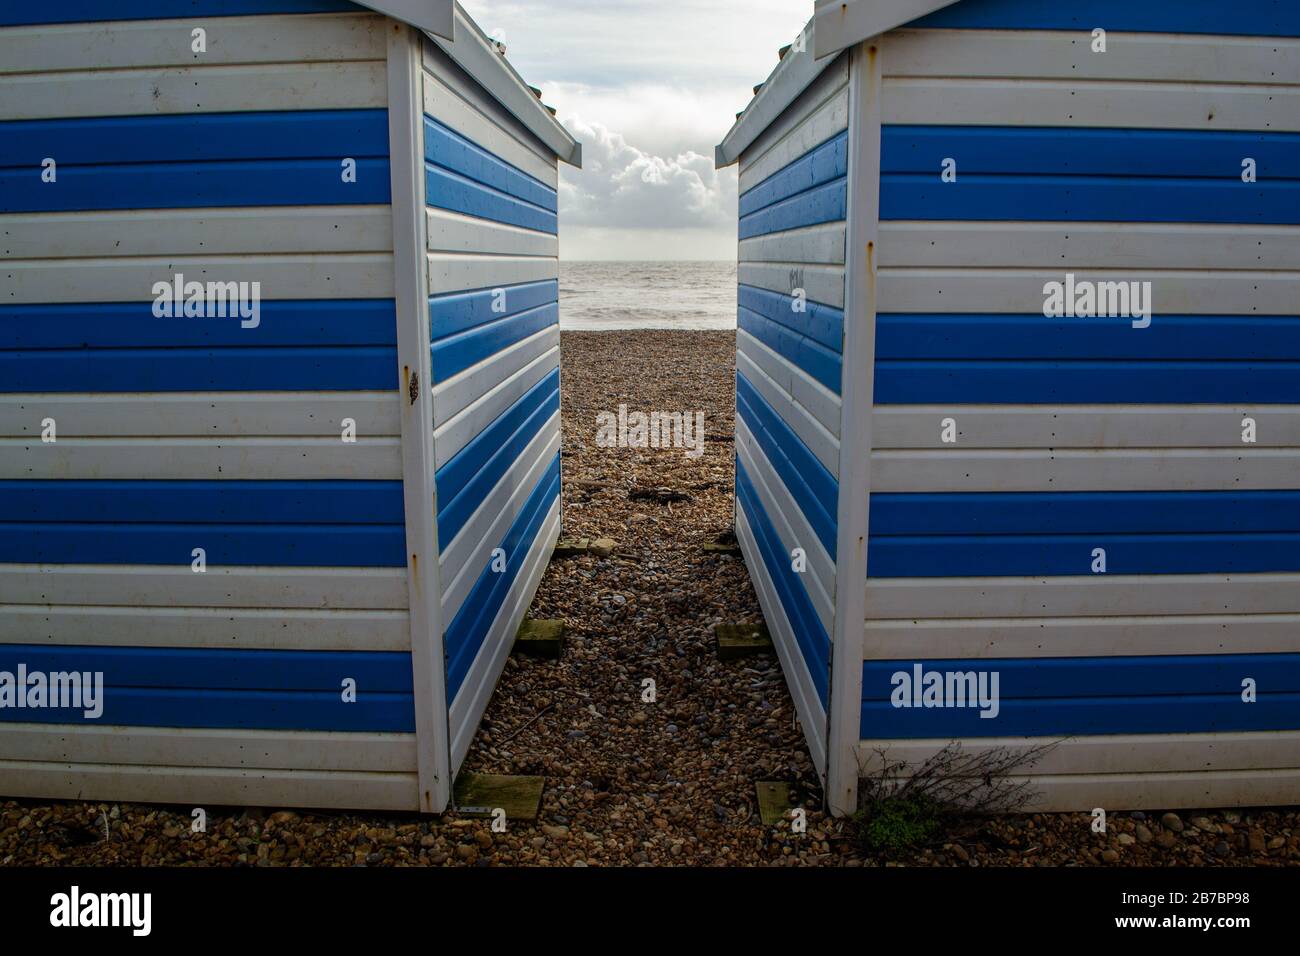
[200,747]
[151,586]
[454,434]
[1076,246]
[1024,636]
[269,230]
[791,526]
[816,245]
[200,414]
[210,786]
[195,458]
[807,704]
[970,101]
[824,284]
[1084,426]
[1188,292]
[472,699]
[123,279]
[1114,753]
[1156,469]
[1068,55]
[1092,595]
[464,271]
[236,628]
[127,44]
[453,232]
[200,89]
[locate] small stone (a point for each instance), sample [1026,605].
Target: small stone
[1172,821]
[428,840]
[1127,839]
[637,719]
[484,838]
[555,833]
[1166,839]
[602,547]
[1138,815]
[1204,825]
[1110,856]
[959,852]
[1222,849]
[1277,843]
[466,852]
[1143,834]
[1256,841]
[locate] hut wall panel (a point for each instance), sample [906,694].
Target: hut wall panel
[174,434]
[494,317]
[793,182]
[1083,433]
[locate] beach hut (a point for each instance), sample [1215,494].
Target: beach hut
[1018,436]
[279,395]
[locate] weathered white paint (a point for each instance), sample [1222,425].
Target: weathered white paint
[820,401]
[460,272]
[236,628]
[820,245]
[453,232]
[1085,426]
[824,284]
[197,89]
[151,585]
[195,458]
[811,432]
[452,395]
[202,747]
[366,275]
[209,786]
[198,414]
[139,44]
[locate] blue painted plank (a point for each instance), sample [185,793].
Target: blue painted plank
[1071,151]
[194,137]
[991,555]
[455,353]
[343,545]
[126,325]
[467,479]
[823,324]
[1238,18]
[1062,383]
[973,336]
[448,190]
[290,182]
[460,311]
[263,710]
[813,487]
[467,631]
[826,203]
[1085,512]
[821,164]
[814,643]
[16,13]
[190,370]
[179,668]
[981,197]
[1103,677]
[446,148]
[1086,716]
[203,502]
[818,361]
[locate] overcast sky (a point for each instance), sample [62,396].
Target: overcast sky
[649,88]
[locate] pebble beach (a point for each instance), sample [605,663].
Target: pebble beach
[631,782]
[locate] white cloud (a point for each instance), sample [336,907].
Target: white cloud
[649,88]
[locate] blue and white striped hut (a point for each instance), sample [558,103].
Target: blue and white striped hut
[279,395]
[1019,371]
